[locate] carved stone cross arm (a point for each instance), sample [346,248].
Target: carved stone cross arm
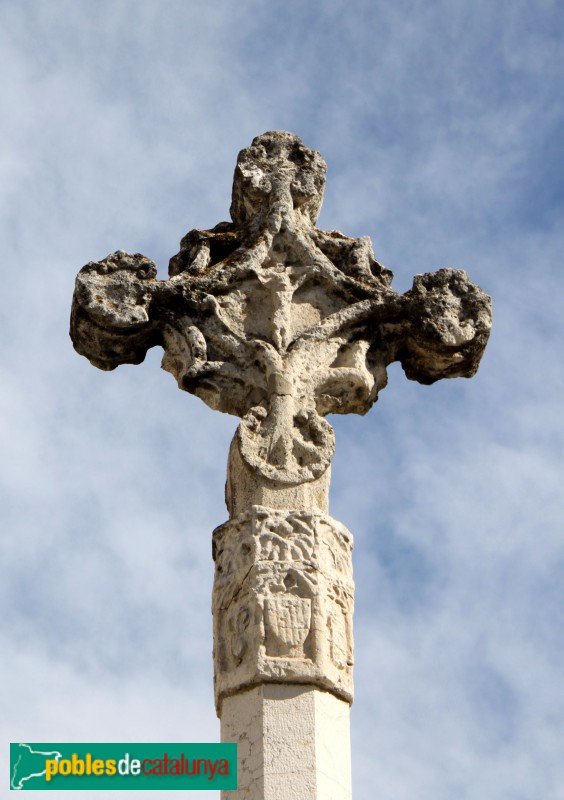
[237,336]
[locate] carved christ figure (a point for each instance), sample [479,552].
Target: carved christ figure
[280,323]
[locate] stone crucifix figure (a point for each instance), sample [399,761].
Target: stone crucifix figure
[280,323]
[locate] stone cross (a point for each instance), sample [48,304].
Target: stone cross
[280,323]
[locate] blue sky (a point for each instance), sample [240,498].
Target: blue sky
[442,126]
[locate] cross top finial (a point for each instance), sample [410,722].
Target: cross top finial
[277,166]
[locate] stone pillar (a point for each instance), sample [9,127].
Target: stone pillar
[280,323]
[293,743]
[283,651]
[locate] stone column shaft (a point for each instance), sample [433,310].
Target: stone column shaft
[293,743]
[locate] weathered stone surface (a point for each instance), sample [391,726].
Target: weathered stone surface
[283,602]
[275,321]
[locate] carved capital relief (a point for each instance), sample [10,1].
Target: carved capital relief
[283,602]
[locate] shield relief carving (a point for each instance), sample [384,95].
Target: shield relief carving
[287,621]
